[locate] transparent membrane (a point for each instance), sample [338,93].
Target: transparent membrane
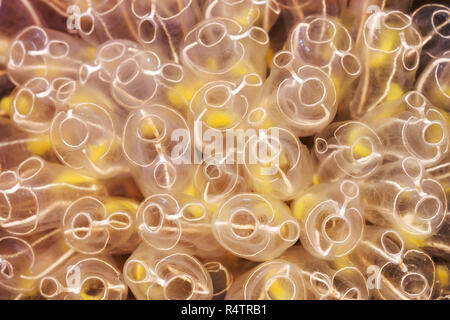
[157,145]
[272,280]
[390,47]
[411,126]
[101,226]
[184,223]
[84,278]
[88,138]
[347,149]
[403,274]
[167,275]
[277,163]
[404,196]
[331,219]
[299,97]
[325,281]
[36,195]
[254,227]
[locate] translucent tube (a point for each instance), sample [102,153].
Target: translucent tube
[46,53]
[24,261]
[347,149]
[35,195]
[324,42]
[272,280]
[108,56]
[100,21]
[143,78]
[87,137]
[438,245]
[220,47]
[410,126]
[157,144]
[330,218]
[395,272]
[324,282]
[390,50]
[224,270]
[217,112]
[36,103]
[245,12]
[162,25]
[355,13]
[16,145]
[181,223]
[101,225]
[294,11]
[84,278]
[433,23]
[156,275]
[403,196]
[253,227]
[299,97]
[277,164]
[434,81]
[216,181]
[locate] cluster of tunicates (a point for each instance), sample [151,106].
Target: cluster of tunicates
[224,149]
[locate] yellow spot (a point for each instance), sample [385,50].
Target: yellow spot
[337,85]
[247,17]
[412,240]
[218,119]
[442,275]
[269,57]
[39,145]
[315,179]
[195,210]
[23,103]
[241,70]
[388,42]
[5,104]
[95,152]
[303,204]
[138,271]
[116,205]
[73,178]
[277,291]
[212,64]
[395,92]
[190,190]
[89,53]
[341,262]
[360,150]
[182,93]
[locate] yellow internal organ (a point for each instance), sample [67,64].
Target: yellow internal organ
[395,92]
[195,210]
[23,104]
[39,145]
[182,93]
[304,204]
[442,275]
[247,17]
[388,42]
[218,119]
[116,205]
[360,150]
[73,178]
[95,152]
[277,291]
[5,104]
